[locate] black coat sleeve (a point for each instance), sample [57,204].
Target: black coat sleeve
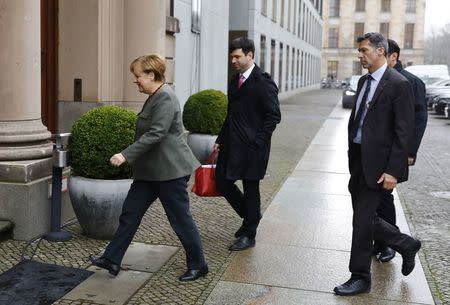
[421,116]
[271,110]
[403,108]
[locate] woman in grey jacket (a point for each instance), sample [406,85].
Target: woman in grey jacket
[161,162]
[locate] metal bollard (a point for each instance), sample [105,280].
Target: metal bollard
[59,162]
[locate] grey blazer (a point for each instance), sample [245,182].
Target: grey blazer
[160,151]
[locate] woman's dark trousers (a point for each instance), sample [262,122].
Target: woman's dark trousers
[175,201]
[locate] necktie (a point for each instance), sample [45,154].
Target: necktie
[241,80]
[362,105]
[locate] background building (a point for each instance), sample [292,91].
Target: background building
[344,20]
[287,35]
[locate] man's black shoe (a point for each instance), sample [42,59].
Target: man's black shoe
[409,261]
[353,286]
[242,243]
[193,274]
[104,263]
[239,232]
[386,254]
[376,249]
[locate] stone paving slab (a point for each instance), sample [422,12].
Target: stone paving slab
[226,293]
[103,288]
[321,270]
[320,182]
[147,258]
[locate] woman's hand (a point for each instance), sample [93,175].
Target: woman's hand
[117,160]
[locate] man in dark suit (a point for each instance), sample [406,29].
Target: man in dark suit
[378,133]
[244,139]
[386,210]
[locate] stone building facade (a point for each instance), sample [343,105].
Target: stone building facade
[344,20]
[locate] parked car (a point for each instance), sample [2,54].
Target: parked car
[429,73]
[447,111]
[440,102]
[349,93]
[433,94]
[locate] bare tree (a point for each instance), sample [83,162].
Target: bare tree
[437,47]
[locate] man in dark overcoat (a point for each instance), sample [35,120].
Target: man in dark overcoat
[379,130]
[244,140]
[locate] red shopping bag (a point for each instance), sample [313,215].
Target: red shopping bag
[205,178]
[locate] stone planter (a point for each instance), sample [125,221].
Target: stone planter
[201,145]
[97,203]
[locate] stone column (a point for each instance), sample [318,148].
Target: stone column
[25,148]
[22,134]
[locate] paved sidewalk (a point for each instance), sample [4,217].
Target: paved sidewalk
[303,243]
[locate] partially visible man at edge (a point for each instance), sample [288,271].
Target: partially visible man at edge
[386,210]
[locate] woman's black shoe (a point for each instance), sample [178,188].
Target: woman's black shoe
[193,274]
[104,263]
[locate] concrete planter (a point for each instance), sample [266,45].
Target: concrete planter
[97,203]
[201,145]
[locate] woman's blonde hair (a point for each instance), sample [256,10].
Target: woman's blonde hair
[151,63]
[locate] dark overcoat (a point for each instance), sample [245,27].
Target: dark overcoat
[387,129]
[253,113]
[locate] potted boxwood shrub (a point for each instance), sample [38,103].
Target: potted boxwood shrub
[203,116]
[97,189]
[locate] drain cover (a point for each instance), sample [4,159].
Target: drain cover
[445,195]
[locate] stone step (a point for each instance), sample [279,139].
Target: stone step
[5,225]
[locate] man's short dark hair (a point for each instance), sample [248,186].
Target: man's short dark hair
[243,43]
[375,39]
[393,47]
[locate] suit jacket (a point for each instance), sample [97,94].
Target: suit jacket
[420,107]
[160,152]
[387,129]
[253,113]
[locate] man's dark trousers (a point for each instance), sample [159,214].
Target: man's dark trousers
[366,225]
[247,205]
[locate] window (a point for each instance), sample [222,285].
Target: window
[299,75]
[288,25]
[196,13]
[357,68]
[385,5]
[280,68]
[410,6]
[334,8]
[274,10]
[262,57]
[359,31]
[272,58]
[332,69]
[286,80]
[360,5]
[409,35]
[384,29]
[264,7]
[333,38]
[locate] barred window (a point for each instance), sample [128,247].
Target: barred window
[334,8]
[333,38]
[409,35]
[360,5]
[359,31]
[410,6]
[384,29]
[385,5]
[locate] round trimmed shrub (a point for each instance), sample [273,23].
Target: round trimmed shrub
[96,136]
[205,112]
